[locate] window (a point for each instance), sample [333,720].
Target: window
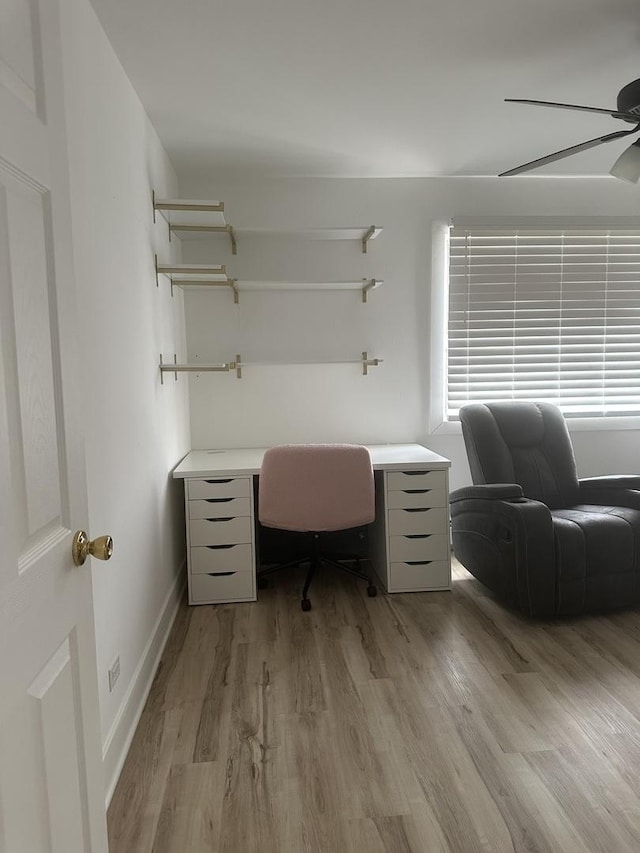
[545,314]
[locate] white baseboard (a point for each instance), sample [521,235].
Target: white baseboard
[118,741]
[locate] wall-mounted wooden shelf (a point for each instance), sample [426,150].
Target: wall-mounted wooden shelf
[237,364]
[360,234]
[185,216]
[197,272]
[364,285]
[188,215]
[222,367]
[196,275]
[192,215]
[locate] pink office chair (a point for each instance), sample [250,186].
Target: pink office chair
[316,488]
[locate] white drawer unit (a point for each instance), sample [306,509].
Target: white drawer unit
[220,508]
[416,574]
[225,487]
[219,531]
[409,543]
[403,522]
[418,498]
[416,531]
[209,559]
[222,587]
[220,540]
[410,480]
[418,547]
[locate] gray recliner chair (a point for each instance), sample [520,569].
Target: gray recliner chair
[543,540]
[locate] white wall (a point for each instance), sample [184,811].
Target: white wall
[136,429]
[278,404]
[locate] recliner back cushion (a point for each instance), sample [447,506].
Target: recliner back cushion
[524,443]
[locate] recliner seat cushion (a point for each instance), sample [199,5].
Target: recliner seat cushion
[597,550]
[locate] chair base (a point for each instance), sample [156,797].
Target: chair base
[315,560]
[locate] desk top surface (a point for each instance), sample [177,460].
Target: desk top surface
[247,461]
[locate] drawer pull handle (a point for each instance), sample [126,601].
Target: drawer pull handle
[220,574]
[417,509]
[219,547]
[417,536]
[414,473]
[218,500]
[416,491]
[230,480]
[417,562]
[217,520]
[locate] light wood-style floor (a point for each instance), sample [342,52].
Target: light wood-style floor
[419,722]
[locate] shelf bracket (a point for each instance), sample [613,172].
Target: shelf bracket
[369,362]
[370,234]
[237,366]
[367,285]
[232,237]
[168,368]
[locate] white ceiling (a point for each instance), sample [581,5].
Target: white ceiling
[374,87]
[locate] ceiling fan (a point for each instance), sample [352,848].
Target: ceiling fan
[627,166]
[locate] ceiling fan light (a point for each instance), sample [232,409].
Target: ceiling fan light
[627,166]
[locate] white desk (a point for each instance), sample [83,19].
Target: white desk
[409,538]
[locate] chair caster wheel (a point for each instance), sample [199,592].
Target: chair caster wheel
[263,583]
[372,591]
[305,604]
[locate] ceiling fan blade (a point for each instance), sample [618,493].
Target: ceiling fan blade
[614,113]
[567,152]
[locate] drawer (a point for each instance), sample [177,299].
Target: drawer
[408,548]
[417,498]
[219,507]
[407,521]
[222,531]
[219,487]
[416,480]
[220,558]
[236,586]
[419,575]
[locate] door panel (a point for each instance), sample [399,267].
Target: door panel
[51,785]
[29,357]
[17,65]
[44,738]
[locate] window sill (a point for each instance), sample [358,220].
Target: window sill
[574,424]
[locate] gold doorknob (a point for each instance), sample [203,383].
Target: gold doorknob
[102,547]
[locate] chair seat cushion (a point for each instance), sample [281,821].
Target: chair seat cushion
[594,544]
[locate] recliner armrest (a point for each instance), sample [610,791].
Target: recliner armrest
[507,543]
[613,490]
[611,481]
[490,492]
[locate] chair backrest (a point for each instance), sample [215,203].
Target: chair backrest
[316,487]
[524,443]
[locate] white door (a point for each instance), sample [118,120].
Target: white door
[51,786]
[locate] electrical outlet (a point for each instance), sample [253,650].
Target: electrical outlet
[114,673]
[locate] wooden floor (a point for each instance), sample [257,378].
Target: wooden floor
[418,722]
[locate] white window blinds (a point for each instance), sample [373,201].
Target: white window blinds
[545,314]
